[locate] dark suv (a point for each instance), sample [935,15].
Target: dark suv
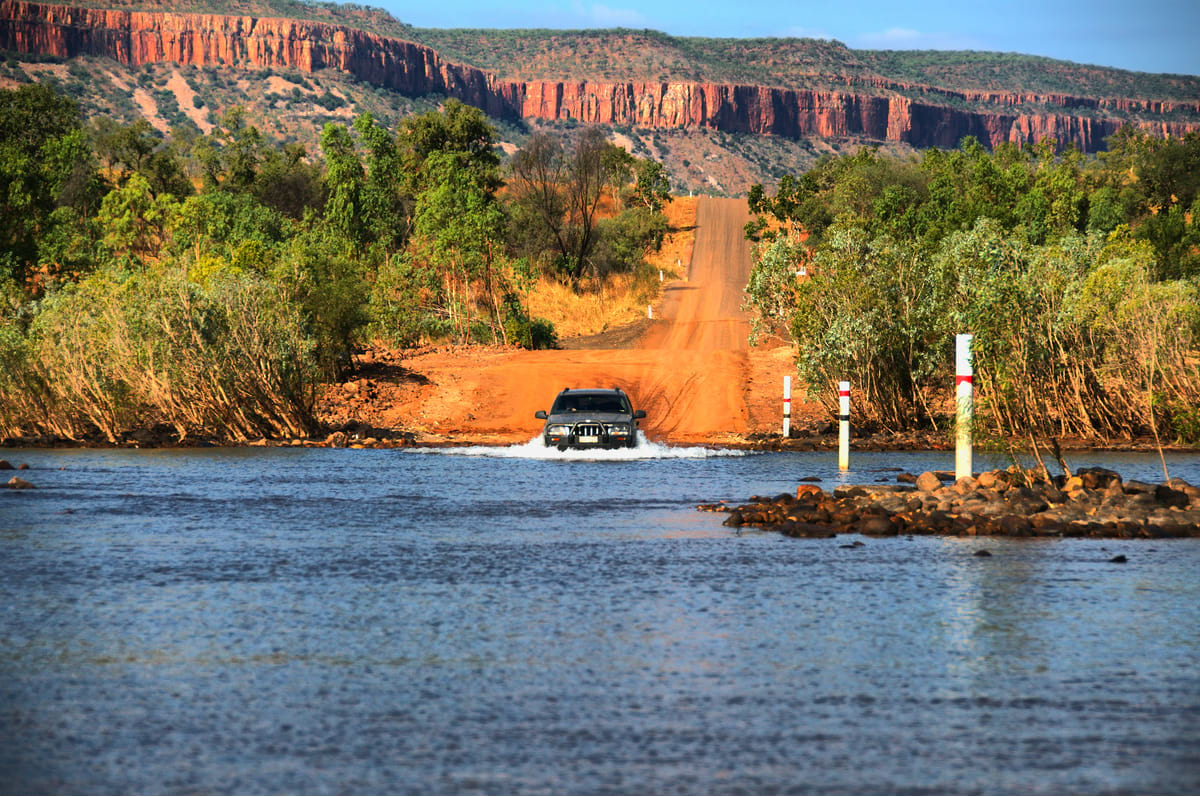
[591,418]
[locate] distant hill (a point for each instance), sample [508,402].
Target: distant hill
[780,101]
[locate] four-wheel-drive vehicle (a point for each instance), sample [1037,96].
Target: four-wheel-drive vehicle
[590,418]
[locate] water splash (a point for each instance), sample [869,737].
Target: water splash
[536,449]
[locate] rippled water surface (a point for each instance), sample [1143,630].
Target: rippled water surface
[286,620]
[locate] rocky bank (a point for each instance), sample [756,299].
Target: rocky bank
[1095,502]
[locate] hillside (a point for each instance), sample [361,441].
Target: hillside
[619,54]
[770,105]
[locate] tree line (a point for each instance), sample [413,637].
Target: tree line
[209,283]
[1080,279]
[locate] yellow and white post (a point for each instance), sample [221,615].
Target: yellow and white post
[787,407]
[964,368]
[843,425]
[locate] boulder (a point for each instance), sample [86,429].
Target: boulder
[928,481]
[1169,496]
[809,492]
[17,483]
[849,491]
[1097,478]
[965,485]
[1015,526]
[5,464]
[1190,490]
[878,525]
[810,530]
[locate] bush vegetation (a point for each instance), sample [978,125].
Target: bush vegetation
[1079,279]
[208,283]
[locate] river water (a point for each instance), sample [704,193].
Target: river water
[516,621]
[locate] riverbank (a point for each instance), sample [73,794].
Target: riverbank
[344,430]
[1094,502]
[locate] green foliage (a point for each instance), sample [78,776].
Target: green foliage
[1071,289]
[218,222]
[324,275]
[344,179]
[625,240]
[652,189]
[44,164]
[557,191]
[521,330]
[289,183]
[406,300]
[217,312]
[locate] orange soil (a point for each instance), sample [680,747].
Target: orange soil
[691,369]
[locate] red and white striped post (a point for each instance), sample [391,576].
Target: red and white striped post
[787,407]
[964,370]
[844,425]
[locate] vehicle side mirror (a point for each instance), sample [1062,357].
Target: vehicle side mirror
[540,415]
[639,415]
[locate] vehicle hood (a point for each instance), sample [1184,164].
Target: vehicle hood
[599,417]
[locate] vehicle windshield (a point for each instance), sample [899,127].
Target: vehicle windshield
[582,402]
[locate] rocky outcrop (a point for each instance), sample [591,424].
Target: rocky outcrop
[871,108]
[139,37]
[1095,502]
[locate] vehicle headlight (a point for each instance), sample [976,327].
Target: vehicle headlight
[618,428]
[558,430]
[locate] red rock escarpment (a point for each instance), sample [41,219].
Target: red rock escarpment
[880,109]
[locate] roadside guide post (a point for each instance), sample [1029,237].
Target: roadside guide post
[843,425]
[649,311]
[787,407]
[964,370]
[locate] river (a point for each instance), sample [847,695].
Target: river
[517,621]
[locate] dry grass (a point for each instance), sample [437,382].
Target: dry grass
[609,305]
[618,300]
[677,247]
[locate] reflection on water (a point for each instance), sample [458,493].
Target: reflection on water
[537,449]
[386,621]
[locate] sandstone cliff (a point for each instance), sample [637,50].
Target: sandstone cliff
[875,109]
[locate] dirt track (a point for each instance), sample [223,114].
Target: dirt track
[691,368]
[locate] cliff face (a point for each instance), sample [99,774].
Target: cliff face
[881,110]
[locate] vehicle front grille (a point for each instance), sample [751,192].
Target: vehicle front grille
[588,430]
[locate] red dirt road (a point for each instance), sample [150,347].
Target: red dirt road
[692,368]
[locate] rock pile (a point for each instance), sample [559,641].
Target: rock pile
[1095,502]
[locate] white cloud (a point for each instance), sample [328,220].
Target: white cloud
[801,32]
[602,16]
[908,39]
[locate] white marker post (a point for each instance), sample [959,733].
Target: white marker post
[964,369]
[649,311]
[787,407]
[844,425]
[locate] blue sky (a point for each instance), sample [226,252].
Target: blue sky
[1154,36]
